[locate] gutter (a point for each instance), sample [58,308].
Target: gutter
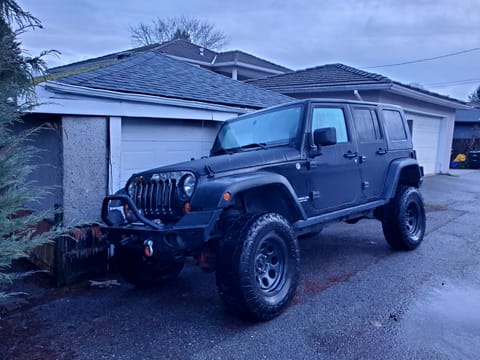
[391,87]
[418,95]
[301,89]
[150,99]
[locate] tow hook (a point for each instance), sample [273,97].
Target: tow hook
[148,248]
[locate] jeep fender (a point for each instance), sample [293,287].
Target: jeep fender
[210,192]
[402,172]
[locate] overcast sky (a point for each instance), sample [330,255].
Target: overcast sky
[294,33]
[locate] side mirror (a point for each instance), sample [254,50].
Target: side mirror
[325,136]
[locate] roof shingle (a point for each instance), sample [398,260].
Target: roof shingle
[152,73]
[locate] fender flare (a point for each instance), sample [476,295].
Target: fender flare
[396,174]
[209,194]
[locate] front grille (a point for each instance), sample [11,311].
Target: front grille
[157,196]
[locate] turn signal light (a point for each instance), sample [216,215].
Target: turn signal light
[227,196]
[187,207]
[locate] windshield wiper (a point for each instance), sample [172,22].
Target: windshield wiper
[254,145]
[241,148]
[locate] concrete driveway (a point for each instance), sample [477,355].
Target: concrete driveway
[357,299]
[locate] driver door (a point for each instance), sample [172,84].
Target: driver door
[334,177]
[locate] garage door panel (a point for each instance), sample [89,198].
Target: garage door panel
[150,143]
[425,136]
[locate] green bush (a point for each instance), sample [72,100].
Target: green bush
[18,235]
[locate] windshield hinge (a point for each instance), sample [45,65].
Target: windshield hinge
[210,172]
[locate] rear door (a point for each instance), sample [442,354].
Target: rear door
[372,151]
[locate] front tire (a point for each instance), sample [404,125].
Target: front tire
[258,266]
[404,220]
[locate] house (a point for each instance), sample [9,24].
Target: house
[236,64]
[431,116]
[125,113]
[466,135]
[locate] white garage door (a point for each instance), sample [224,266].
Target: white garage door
[149,143]
[426,135]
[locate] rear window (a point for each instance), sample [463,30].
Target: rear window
[394,125]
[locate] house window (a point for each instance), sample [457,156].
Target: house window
[330,117]
[394,125]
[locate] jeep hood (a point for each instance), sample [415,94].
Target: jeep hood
[228,162]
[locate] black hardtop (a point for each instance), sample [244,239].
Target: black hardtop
[326,101]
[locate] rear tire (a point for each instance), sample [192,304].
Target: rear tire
[145,272]
[404,220]
[258,266]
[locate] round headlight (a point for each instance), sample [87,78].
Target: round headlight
[188,184]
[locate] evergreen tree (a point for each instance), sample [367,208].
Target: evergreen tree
[18,235]
[475,97]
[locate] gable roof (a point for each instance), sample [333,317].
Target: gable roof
[237,56]
[152,73]
[187,50]
[325,75]
[340,77]
[178,48]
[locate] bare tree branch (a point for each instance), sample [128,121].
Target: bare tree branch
[160,30]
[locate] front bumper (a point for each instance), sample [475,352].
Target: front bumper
[126,226]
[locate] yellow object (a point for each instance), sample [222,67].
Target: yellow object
[460,158]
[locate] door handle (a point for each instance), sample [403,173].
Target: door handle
[381,151]
[350,155]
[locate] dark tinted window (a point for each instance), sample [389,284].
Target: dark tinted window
[394,125]
[366,123]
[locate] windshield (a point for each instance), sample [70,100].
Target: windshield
[272,128]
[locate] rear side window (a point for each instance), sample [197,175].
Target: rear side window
[330,117]
[366,123]
[394,125]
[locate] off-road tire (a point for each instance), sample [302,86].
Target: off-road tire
[258,266]
[404,219]
[146,272]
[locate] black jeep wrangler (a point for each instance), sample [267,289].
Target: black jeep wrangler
[271,177]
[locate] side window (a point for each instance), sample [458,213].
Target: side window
[366,124]
[410,126]
[394,125]
[330,117]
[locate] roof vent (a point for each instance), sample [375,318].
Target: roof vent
[123,55]
[202,51]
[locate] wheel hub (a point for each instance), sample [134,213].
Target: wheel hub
[269,265]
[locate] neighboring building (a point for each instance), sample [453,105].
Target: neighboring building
[431,116]
[116,116]
[235,64]
[466,135]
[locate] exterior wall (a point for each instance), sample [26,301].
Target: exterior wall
[466,137]
[48,161]
[85,168]
[466,130]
